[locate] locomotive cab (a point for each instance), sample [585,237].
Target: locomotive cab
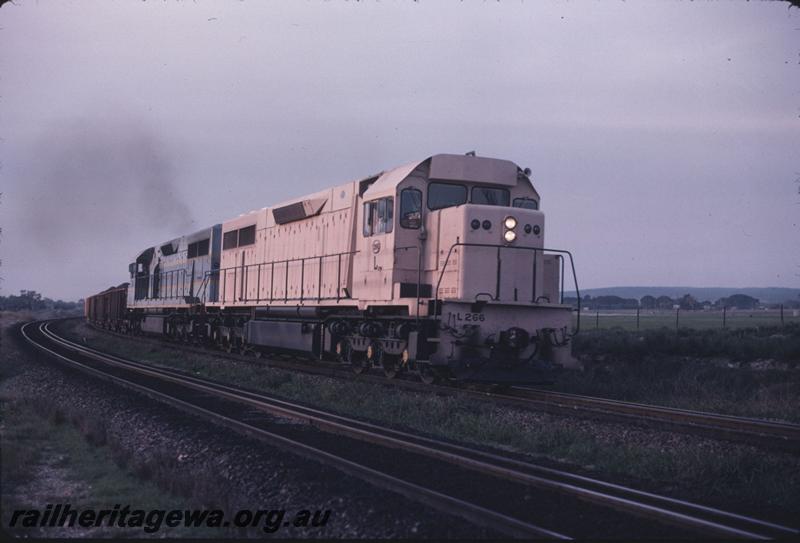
[459,240]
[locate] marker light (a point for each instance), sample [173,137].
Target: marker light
[528,228]
[536,229]
[510,236]
[510,222]
[475,224]
[487,224]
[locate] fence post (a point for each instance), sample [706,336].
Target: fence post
[677,312]
[597,320]
[637,318]
[724,314]
[781,314]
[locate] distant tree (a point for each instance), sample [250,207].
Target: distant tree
[665,302]
[689,302]
[33,301]
[648,302]
[32,298]
[615,302]
[741,301]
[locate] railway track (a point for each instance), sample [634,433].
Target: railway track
[765,433]
[245,411]
[770,435]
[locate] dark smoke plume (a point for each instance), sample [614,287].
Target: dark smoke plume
[95,185]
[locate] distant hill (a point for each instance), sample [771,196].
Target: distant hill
[769,295]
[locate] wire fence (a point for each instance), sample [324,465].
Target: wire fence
[641,319]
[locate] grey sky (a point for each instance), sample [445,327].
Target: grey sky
[664,137]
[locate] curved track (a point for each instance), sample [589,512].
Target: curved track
[771,435]
[224,403]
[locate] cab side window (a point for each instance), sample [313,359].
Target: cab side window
[378,216]
[410,208]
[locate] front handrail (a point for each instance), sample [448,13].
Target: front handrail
[535,250]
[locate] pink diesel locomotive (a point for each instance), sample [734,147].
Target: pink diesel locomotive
[437,267]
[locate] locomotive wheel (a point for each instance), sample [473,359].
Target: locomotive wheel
[391,365]
[357,360]
[428,374]
[343,351]
[374,353]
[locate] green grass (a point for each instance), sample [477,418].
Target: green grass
[694,369]
[743,474]
[691,384]
[739,345]
[33,434]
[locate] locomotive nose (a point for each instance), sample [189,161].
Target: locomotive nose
[504,225]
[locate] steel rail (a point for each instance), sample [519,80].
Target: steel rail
[679,512]
[438,500]
[780,430]
[759,432]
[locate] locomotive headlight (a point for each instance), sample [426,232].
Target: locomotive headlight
[510,222]
[510,236]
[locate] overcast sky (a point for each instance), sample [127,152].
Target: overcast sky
[664,137]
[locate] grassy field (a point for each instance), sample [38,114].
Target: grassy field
[46,460]
[750,371]
[49,457]
[700,320]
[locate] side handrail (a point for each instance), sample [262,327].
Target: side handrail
[164,285]
[514,247]
[245,269]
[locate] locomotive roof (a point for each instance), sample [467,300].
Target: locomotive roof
[442,166]
[450,167]
[391,178]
